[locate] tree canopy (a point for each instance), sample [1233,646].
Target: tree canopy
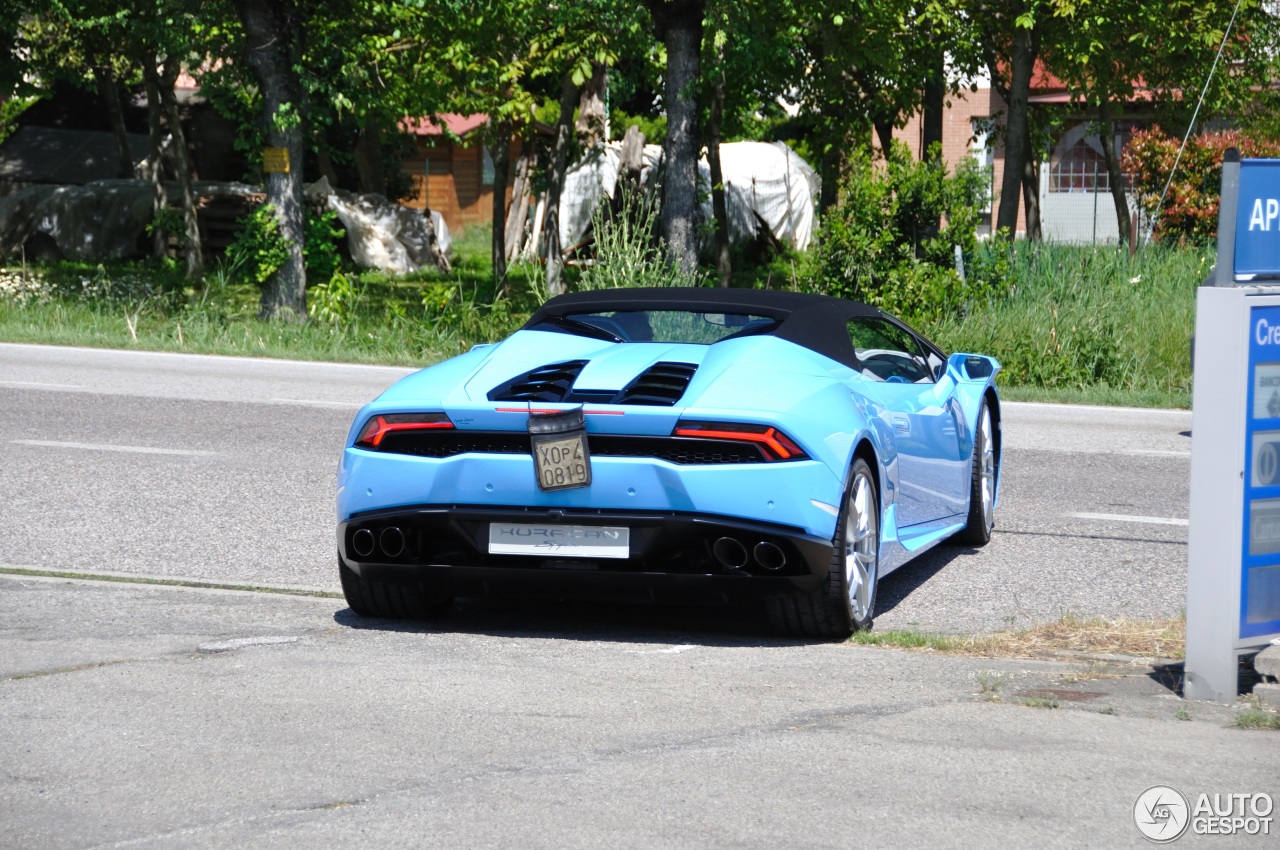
[333,82]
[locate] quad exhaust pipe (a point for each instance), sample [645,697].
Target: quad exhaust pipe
[391,542]
[731,553]
[362,542]
[769,555]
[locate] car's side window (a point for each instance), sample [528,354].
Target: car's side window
[886,352]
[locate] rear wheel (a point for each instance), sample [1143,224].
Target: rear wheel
[846,601]
[982,489]
[386,600]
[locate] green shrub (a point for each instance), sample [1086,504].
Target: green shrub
[1190,209]
[334,300]
[882,242]
[1083,317]
[320,247]
[259,249]
[628,250]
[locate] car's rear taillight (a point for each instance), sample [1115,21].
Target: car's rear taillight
[378,427]
[774,444]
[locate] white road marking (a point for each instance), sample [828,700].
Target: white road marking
[102,447]
[18,384]
[1149,520]
[345,405]
[1165,452]
[1092,407]
[674,650]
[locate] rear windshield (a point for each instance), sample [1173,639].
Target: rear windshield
[659,325]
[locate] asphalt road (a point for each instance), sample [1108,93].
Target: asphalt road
[142,716]
[150,717]
[223,469]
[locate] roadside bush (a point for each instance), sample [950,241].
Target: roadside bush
[259,248]
[1084,317]
[320,247]
[882,242]
[628,249]
[1190,210]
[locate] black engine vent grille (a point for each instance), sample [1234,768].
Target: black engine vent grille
[546,383]
[661,384]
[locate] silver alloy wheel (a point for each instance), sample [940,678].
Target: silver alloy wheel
[987,469]
[861,547]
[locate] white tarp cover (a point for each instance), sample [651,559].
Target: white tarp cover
[385,235]
[764,182]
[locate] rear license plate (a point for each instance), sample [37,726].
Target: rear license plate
[571,541]
[561,461]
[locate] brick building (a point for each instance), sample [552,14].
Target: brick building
[1074,191]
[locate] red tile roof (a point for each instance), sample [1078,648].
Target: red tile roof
[459,125]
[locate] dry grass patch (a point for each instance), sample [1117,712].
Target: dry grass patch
[1145,638]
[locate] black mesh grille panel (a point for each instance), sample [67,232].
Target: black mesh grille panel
[661,384]
[546,383]
[683,450]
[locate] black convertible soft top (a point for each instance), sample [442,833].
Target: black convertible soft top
[817,322]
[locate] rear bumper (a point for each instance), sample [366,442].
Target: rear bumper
[670,553]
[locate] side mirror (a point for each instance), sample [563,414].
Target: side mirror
[972,367]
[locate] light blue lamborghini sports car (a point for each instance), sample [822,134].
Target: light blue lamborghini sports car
[672,443]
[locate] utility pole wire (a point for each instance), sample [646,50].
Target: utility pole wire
[1155,214]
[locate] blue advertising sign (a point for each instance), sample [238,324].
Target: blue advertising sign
[1260,562]
[1257,245]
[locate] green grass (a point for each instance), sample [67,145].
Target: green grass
[906,639]
[1254,718]
[1089,324]
[1079,325]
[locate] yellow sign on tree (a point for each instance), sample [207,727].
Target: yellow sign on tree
[275,160]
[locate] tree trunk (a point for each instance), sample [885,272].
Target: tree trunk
[884,133]
[110,95]
[518,215]
[373,177]
[593,120]
[1022,62]
[631,157]
[935,96]
[551,248]
[500,152]
[155,155]
[832,164]
[680,24]
[1107,134]
[1031,189]
[931,132]
[724,266]
[270,28]
[191,249]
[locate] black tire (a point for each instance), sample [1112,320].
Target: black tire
[982,485]
[388,601]
[832,611]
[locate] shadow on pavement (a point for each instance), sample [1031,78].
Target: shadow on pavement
[902,582]
[591,621]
